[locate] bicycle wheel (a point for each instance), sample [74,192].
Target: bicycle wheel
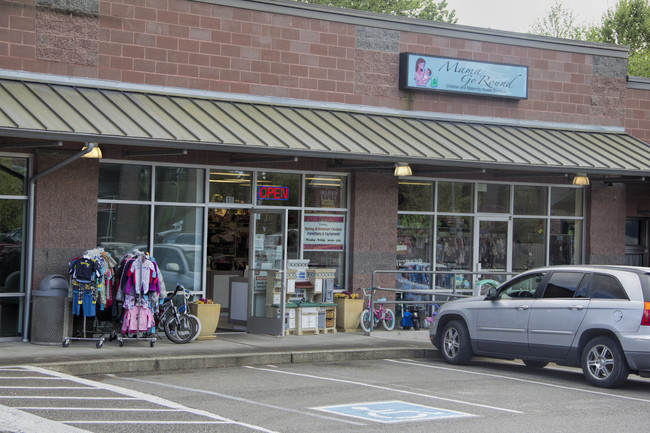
[180,329]
[197,325]
[365,323]
[389,320]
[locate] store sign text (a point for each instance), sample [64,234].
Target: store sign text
[272,193]
[443,74]
[324,232]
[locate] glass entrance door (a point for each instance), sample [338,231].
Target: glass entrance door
[267,288]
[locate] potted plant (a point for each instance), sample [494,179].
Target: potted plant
[348,311]
[208,313]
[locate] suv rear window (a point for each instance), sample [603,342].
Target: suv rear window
[563,284]
[607,287]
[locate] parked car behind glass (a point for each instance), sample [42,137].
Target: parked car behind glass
[177,263]
[596,317]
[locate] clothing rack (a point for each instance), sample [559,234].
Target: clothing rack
[138,337]
[99,340]
[94,255]
[138,300]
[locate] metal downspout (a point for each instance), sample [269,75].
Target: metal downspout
[30,234]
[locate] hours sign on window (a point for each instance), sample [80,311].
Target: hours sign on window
[324,232]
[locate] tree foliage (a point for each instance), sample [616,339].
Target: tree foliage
[424,9]
[627,23]
[638,64]
[560,22]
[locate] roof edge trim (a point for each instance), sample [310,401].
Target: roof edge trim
[373,19]
[640,83]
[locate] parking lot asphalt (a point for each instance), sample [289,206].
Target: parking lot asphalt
[228,349]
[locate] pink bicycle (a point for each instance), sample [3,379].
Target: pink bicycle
[379,314]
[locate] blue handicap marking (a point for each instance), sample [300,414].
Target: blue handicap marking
[392,411]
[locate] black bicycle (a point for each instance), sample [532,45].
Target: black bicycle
[174,318]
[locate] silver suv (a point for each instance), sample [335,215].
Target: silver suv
[596,317]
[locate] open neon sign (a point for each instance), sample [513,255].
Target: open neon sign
[273,193]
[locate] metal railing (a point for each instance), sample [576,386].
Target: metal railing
[468,286]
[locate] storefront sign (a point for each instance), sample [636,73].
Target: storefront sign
[324,232]
[443,74]
[272,193]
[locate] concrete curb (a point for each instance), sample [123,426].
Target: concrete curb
[196,362]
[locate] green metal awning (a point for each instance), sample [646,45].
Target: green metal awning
[125,115]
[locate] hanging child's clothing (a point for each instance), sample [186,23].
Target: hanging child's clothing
[86,273]
[140,284]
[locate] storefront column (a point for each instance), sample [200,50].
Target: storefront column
[605,222]
[65,219]
[373,232]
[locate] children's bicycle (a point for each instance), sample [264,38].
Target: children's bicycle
[379,314]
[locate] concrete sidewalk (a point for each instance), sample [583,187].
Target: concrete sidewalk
[227,350]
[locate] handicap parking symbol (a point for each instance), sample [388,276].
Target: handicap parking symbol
[393,411]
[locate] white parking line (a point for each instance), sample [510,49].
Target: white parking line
[516,379]
[243,400]
[132,394]
[385,388]
[46,387]
[15,420]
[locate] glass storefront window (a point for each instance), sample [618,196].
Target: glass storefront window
[634,232]
[493,198]
[636,242]
[415,196]
[455,238]
[454,250]
[12,214]
[121,227]
[228,238]
[179,185]
[178,242]
[12,316]
[414,238]
[13,176]
[178,246]
[325,191]
[278,189]
[323,241]
[455,197]
[230,186]
[529,243]
[124,182]
[414,252]
[566,201]
[565,242]
[530,200]
[529,234]
[293,237]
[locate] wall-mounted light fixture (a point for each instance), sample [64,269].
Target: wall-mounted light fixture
[92,151]
[581,179]
[402,169]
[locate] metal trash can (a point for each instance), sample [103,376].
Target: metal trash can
[50,311]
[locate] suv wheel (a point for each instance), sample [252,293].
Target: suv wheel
[603,363]
[456,344]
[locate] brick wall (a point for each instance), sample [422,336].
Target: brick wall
[605,224]
[66,212]
[206,46]
[637,116]
[373,218]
